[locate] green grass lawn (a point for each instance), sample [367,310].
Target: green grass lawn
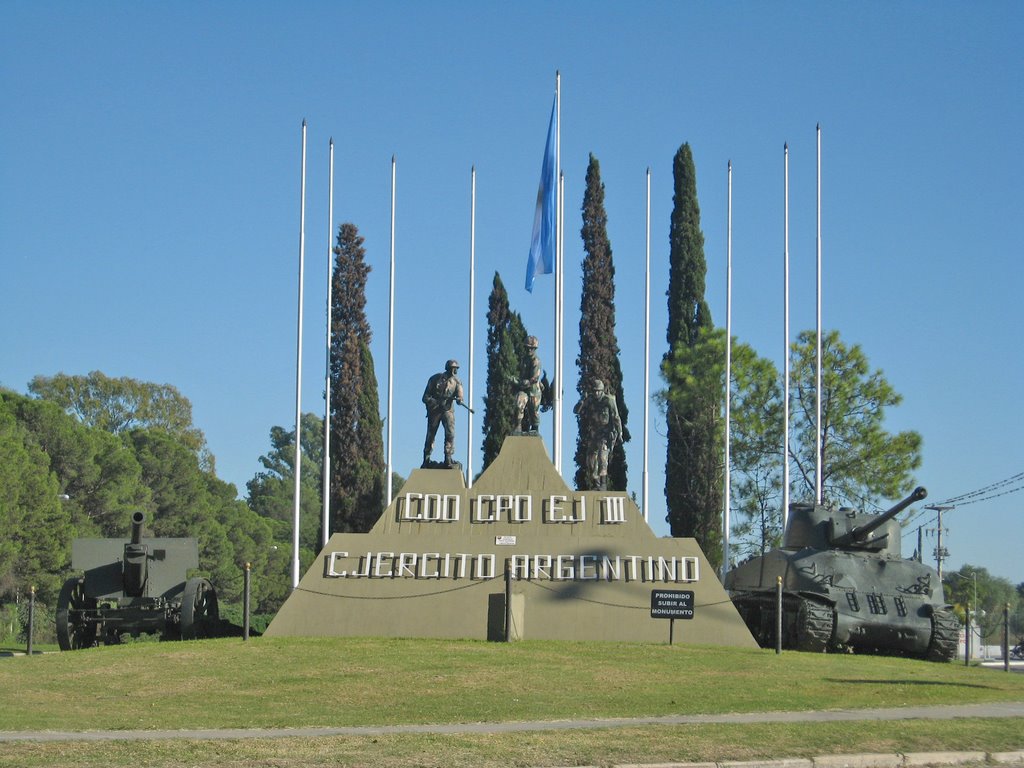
[291,682]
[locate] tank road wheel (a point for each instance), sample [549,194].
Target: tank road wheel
[945,636]
[199,612]
[813,626]
[73,631]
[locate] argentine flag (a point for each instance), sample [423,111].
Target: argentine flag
[542,246]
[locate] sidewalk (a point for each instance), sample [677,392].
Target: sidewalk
[998,709]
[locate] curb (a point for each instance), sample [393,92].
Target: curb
[908,760]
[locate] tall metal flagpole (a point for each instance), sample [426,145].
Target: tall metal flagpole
[391,333]
[647,349]
[817,371]
[785,349]
[298,370]
[560,384]
[559,278]
[472,299]
[726,522]
[326,532]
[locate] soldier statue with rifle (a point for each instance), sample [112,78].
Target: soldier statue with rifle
[442,391]
[600,422]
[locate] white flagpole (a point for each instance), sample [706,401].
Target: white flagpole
[560,384]
[559,279]
[326,534]
[647,350]
[298,370]
[817,373]
[472,300]
[785,350]
[726,522]
[391,333]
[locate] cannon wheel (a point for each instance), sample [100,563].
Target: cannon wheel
[73,631]
[199,612]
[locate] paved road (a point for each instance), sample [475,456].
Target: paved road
[1003,709]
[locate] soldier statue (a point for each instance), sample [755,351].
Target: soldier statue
[599,420]
[442,391]
[531,391]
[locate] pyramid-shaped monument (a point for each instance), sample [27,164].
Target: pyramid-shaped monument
[518,555]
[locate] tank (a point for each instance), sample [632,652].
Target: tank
[132,587]
[846,587]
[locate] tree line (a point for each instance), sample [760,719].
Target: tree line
[82,451]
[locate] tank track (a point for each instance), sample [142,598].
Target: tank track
[815,623]
[945,636]
[807,625]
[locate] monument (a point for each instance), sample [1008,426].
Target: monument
[518,555]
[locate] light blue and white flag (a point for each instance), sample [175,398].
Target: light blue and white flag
[542,245]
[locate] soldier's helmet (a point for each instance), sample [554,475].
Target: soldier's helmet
[451,365]
[597,386]
[531,342]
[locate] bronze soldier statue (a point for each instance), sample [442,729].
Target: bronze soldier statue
[599,415]
[531,390]
[442,391]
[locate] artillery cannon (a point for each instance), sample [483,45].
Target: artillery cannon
[845,585]
[134,586]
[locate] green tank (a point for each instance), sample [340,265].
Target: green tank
[846,586]
[132,587]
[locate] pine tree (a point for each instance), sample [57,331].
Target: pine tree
[506,345]
[693,464]
[599,347]
[357,444]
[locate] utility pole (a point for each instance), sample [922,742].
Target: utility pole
[941,553]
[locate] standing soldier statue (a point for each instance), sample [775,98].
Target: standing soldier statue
[531,390]
[443,389]
[600,422]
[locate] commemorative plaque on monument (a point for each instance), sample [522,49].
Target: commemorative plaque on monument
[578,565]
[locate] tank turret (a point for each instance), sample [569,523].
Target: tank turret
[846,586]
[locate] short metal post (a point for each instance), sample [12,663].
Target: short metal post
[967,638]
[246,594]
[671,630]
[1006,637]
[778,615]
[31,617]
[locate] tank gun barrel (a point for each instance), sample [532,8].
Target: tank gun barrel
[866,530]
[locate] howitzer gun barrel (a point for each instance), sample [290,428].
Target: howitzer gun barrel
[138,518]
[866,530]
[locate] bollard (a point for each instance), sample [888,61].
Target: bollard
[31,618]
[1006,637]
[967,638]
[246,592]
[778,615]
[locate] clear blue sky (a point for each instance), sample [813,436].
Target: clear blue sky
[149,218]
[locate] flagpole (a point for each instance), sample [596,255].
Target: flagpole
[326,532]
[817,373]
[728,379]
[647,350]
[785,349]
[391,333]
[559,277]
[298,370]
[472,298]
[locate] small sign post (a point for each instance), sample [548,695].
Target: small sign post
[671,605]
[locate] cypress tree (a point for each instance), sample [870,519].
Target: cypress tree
[506,347]
[693,464]
[357,444]
[599,347]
